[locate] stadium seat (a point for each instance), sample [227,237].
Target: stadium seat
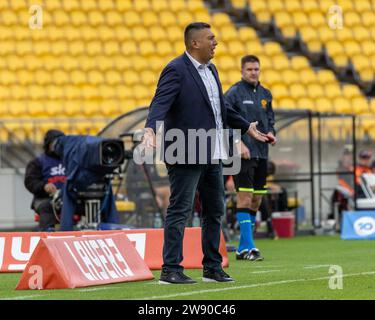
[113,77]
[195,5]
[280,62]
[361,62]
[271,76]
[351,18]
[315,90]
[227,63]
[254,47]
[8,18]
[147,48]
[159,5]
[326,76]
[283,19]
[352,48]
[360,105]
[122,33]
[150,19]
[72,108]
[280,91]
[167,19]
[297,90]
[141,5]
[129,48]
[306,103]
[323,105]
[72,92]
[287,103]
[317,19]
[300,19]
[132,19]
[351,91]
[228,33]
[53,109]
[309,33]
[140,33]
[367,76]
[177,6]
[123,6]
[342,105]
[332,90]
[272,49]
[341,60]
[246,34]
[237,48]
[113,18]
[368,18]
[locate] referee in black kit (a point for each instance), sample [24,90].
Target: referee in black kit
[254,103]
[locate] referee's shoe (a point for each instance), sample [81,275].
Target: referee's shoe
[252,255]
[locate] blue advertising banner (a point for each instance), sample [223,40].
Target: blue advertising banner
[358,225]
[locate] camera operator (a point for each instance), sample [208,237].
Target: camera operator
[45,175]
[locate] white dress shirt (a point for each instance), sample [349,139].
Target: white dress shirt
[212,89]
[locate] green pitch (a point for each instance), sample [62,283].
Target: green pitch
[295,268]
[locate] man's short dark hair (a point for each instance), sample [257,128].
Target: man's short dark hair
[193,27]
[249,58]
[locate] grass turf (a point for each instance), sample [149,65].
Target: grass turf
[295,268]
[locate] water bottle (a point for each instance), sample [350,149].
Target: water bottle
[158,222]
[196,222]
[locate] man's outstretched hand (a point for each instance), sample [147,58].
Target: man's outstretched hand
[253,132]
[149,138]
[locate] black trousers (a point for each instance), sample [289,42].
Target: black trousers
[184,181]
[43,207]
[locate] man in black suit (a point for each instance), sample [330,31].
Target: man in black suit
[189,97]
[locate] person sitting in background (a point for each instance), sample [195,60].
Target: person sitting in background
[44,175]
[363,166]
[344,169]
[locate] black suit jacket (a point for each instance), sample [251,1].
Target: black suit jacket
[182,102]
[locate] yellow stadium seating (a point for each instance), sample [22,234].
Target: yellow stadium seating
[360,105]
[351,91]
[323,104]
[177,6]
[288,103]
[306,103]
[101,58]
[159,5]
[297,90]
[315,90]
[341,104]
[228,33]
[332,90]
[122,5]
[167,19]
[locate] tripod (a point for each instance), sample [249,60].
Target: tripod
[94,200]
[157,218]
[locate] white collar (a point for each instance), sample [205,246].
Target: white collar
[196,63]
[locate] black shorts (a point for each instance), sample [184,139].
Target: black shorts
[252,176]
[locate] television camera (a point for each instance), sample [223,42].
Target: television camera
[90,163]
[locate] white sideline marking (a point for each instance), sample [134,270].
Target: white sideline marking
[316,266]
[96,289]
[263,267]
[265,271]
[189,293]
[23,297]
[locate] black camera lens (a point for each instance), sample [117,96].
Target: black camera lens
[112,153]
